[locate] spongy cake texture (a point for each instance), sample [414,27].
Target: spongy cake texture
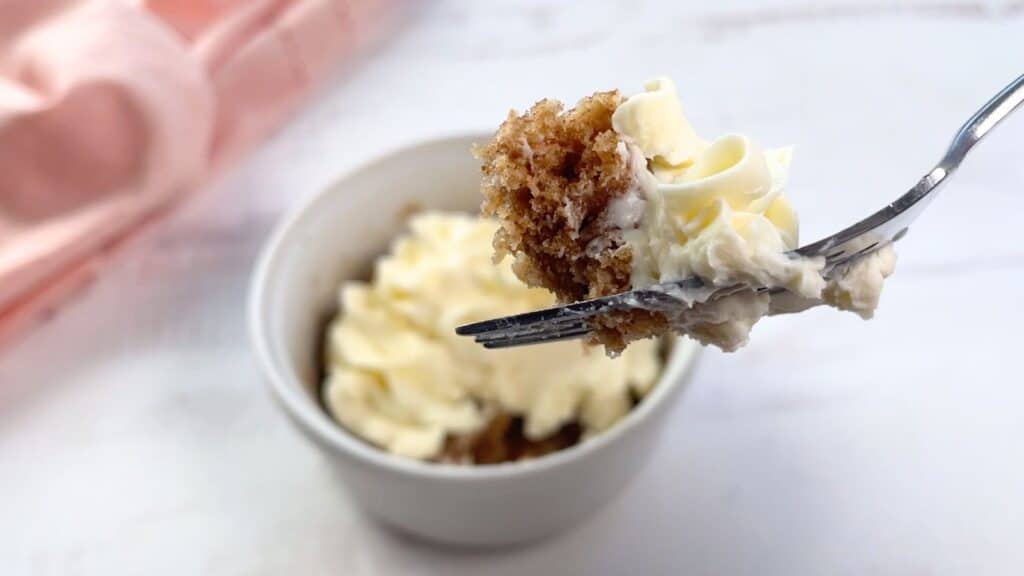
[548,176]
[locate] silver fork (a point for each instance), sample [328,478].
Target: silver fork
[883,227]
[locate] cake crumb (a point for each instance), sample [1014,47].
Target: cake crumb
[549,176]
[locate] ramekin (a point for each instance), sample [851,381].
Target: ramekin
[335,236]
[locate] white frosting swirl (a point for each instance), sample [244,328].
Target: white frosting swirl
[400,377]
[717,211]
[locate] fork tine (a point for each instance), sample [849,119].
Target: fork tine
[531,330]
[555,315]
[507,322]
[537,338]
[571,321]
[557,322]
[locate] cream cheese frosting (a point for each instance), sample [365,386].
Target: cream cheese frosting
[399,377]
[858,286]
[717,210]
[714,210]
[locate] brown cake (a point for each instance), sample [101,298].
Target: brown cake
[548,177]
[503,440]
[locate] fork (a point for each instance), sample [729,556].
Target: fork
[877,230]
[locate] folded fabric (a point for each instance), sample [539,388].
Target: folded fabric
[110,110]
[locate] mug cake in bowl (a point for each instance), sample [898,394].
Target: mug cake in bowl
[399,377]
[352,313]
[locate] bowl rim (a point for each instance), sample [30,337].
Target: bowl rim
[314,420]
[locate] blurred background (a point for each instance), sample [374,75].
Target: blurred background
[136,435]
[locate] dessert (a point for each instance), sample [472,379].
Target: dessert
[398,376]
[620,193]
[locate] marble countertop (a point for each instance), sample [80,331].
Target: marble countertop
[136,436]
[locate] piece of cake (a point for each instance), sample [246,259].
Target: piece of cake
[620,193]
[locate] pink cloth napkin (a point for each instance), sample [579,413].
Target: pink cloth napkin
[112,109]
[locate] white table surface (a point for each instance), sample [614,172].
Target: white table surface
[136,436]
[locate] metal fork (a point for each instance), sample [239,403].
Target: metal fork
[883,227]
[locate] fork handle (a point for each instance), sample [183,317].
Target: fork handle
[891,222]
[982,122]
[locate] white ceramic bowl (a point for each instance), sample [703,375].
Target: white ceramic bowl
[335,237]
